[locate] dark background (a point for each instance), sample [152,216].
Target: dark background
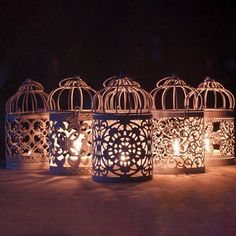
[147,40]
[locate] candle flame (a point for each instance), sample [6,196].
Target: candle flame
[176,147]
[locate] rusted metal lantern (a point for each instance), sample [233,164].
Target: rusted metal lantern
[178,128]
[70,107]
[26,127]
[219,138]
[122,132]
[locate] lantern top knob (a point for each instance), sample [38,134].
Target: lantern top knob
[172,93]
[215,95]
[72,94]
[30,98]
[122,95]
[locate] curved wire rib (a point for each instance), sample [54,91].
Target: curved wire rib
[172,93]
[212,90]
[30,98]
[122,95]
[76,93]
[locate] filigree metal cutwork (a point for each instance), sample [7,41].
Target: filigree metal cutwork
[70,136]
[122,132]
[122,148]
[219,138]
[178,128]
[27,127]
[70,146]
[187,133]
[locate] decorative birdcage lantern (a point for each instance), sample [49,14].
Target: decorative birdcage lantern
[122,132]
[219,140]
[70,108]
[27,127]
[178,128]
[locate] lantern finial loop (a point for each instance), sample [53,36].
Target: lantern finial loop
[122,95]
[215,95]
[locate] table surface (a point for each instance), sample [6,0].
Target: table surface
[36,203]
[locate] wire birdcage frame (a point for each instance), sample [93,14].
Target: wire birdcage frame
[27,127]
[122,128]
[70,108]
[219,140]
[177,128]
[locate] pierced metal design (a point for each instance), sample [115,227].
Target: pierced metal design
[122,148]
[178,128]
[219,140]
[27,127]
[178,144]
[70,146]
[70,136]
[122,132]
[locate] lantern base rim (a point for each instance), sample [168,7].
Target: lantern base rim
[27,166]
[175,171]
[220,162]
[104,179]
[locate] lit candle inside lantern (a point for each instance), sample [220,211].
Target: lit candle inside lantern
[207,143]
[77,144]
[176,147]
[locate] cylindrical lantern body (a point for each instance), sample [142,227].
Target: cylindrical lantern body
[27,127]
[177,132]
[219,138]
[122,132]
[70,132]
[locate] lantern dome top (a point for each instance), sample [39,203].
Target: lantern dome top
[72,94]
[122,95]
[215,96]
[30,98]
[172,93]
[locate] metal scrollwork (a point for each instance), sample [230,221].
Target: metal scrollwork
[220,143]
[187,132]
[27,143]
[122,148]
[70,146]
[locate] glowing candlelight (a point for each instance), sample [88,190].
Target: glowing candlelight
[207,143]
[176,147]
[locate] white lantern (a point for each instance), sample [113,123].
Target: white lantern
[178,128]
[70,121]
[26,127]
[219,121]
[122,132]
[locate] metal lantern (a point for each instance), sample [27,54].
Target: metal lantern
[219,138]
[27,127]
[178,128]
[122,132]
[70,121]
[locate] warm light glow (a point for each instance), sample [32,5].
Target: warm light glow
[29,153]
[76,148]
[124,160]
[176,147]
[207,143]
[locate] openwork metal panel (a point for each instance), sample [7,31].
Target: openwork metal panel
[27,142]
[178,128]
[178,144]
[122,132]
[70,144]
[27,127]
[219,118]
[70,121]
[122,148]
[219,139]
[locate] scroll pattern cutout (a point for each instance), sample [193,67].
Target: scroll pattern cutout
[70,146]
[27,143]
[220,142]
[187,133]
[122,148]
